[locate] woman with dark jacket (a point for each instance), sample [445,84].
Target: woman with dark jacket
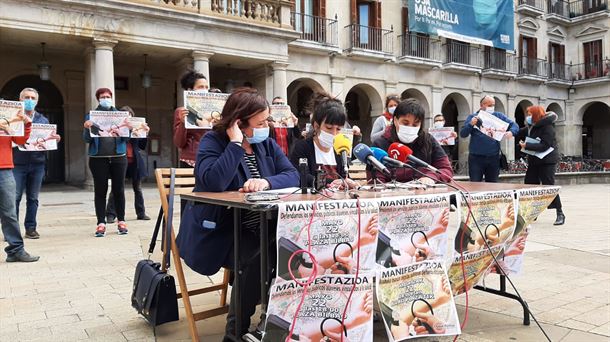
[236,155]
[327,120]
[541,127]
[406,128]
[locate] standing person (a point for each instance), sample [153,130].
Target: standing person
[483,151]
[384,120]
[107,159]
[15,251]
[136,170]
[284,136]
[439,122]
[30,167]
[540,127]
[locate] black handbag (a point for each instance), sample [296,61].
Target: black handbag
[503,161]
[154,290]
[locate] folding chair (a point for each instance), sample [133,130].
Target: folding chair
[184,184]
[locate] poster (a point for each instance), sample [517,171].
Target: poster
[322,312]
[334,236]
[282,116]
[491,126]
[109,124]
[204,109]
[139,128]
[412,229]
[444,136]
[349,134]
[43,137]
[417,301]
[495,215]
[10,123]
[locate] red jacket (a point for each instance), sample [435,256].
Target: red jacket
[186,140]
[6,147]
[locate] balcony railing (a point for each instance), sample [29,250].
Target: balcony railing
[263,11]
[461,53]
[316,29]
[495,59]
[591,70]
[582,7]
[558,7]
[532,67]
[559,71]
[538,4]
[370,38]
[421,46]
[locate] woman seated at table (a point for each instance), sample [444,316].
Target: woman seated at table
[236,155]
[406,128]
[327,120]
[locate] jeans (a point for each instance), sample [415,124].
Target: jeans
[136,183]
[102,169]
[8,213]
[488,166]
[543,174]
[28,178]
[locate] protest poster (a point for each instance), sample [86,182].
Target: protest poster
[109,124]
[43,137]
[10,123]
[493,224]
[349,134]
[412,229]
[339,234]
[282,116]
[416,301]
[491,126]
[321,316]
[204,109]
[139,128]
[444,135]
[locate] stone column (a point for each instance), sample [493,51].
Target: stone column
[509,145]
[183,65]
[436,104]
[104,65]
[201,63]
[280,88]
[336,86]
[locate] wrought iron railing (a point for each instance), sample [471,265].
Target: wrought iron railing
[463,53]
[559,7]
[496,59]
[539,4]
[414,44]
[532,66]
[582,7]
[370,38]
[316,29]
[591,70]
[559,71]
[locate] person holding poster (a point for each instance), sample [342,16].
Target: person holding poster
[107,160]
[327,120]
[385,119]
[483,150]
[30,167]
[284,135]
[15,251]
[236,155]
[407,128]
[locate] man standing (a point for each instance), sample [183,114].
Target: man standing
[484,151]
[8,214]
[29,167]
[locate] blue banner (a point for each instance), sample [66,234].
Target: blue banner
[486,22]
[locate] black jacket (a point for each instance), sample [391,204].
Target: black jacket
[305,149]
[138,169]
[543,130]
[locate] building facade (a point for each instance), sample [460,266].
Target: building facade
[358,50]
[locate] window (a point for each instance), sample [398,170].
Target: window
[363,21]
[528,54]
[557,61]
[593,58]
[310,19]
[458,52]
[366,17]
[495,58]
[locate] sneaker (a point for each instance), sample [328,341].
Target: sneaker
[254,336]
[32,234]
[110,219]
[143,217]
[122,227]
[100,231]
[22,257]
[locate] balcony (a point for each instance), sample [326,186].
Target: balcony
[558,12]
[498,64]
[462,58]
[581,8]
[316,32]
[532,70]
[532,8]
[366,41]
[559,75]
[592,72]
[420,51]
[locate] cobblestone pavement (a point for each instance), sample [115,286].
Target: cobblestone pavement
[80,289]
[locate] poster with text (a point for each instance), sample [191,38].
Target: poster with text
[339,234]
[491,126]
[349,134]
[43,137]
[412,229]
[416,301]
[139,128]
[325,314]
[282,116]
[204,109]
[444,135]
[109,124]
[10,123]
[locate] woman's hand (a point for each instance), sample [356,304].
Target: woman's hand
[427,181]
[88,124]
[235,134]
[522,144]
[356,130]
[438,327]
[340,184]
[182,115]
[255,185]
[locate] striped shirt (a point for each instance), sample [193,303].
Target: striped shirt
[251,219]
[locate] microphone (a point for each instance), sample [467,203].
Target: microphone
[382,156]
[403,153]
[303,173]
[365,155]
[342,146]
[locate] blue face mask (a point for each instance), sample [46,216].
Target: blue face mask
[106,103]
[259,135]
[29,104]
[528,119]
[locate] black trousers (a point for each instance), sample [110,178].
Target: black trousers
[102,169]
[138,200]
[543,174]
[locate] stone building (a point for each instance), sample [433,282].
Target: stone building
[359,50]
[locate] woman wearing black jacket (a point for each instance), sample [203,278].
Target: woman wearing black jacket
[541,171]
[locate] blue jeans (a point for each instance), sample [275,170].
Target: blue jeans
[488,166]
[29,178]
[8,214]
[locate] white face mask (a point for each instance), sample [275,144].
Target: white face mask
[326,139]
[439,124]
[490,110]
[407,134]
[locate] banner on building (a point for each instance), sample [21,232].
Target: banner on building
[139,128]
[485,22]
[10,123]
[204,109]
[43,137]
[109,124]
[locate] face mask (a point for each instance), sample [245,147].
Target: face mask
[528,119]
[204,90]
[407,134]
[326,139]
[29,104]
[439,124]
[258,135]
[391,110]
[106,103]
[490,110]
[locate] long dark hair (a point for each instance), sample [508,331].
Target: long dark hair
[413,107]
[242,104]
[187,81]
[327,109]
